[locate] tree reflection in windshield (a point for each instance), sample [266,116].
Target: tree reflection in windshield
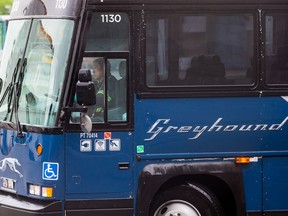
[46,53]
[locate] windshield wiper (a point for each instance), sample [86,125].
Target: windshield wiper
[18,124]
[13,91]
[17,91]
[8,88]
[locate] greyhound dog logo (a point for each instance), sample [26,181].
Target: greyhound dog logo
[11,163]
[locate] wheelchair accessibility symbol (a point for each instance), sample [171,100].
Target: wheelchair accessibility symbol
[50,171]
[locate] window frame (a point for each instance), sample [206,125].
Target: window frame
[106,125]
[272,86]
[258,89]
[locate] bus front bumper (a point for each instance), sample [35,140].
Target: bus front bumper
[14,205]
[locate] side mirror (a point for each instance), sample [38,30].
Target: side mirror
[85,123]
[85,89]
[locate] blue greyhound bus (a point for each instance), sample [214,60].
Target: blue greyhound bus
[145,108]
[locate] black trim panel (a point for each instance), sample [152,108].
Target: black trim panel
[226,93]
[154,176]
[32,129]
[11,205]
[275,213]
[258,89]
[119,207]
[268,213]
[196,2]
[98,204]
[102,212]
[254,213]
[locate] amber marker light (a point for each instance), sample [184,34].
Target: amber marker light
[39,149]
[242,160]
[47,192]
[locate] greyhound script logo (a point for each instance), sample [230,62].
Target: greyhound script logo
[163,126]
[11,163]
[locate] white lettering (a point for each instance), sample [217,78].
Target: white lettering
[161,127]
[231,127]
[278,126]
[216,126]
[111,18]
[88,135]
[248,128]
[61,4]
[198,131]
[184,129]
[158,130]
[170,128]
[260,127]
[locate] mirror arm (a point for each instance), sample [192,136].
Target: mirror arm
[85,120]
[75,109]
[66,111]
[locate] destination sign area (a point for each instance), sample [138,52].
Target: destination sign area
[45,7]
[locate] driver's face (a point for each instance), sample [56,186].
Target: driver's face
[98,73]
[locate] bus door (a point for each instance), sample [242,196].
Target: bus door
[99,163]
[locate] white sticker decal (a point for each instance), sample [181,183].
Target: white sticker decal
[100,145]
[85,145]
[115,145]
[11,163]
[50,171]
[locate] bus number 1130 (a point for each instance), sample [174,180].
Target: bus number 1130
[111,18]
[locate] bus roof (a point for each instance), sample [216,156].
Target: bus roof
[4,17]
[69,8]
[197,2]
[72,8]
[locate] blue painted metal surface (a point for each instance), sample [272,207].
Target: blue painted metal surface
[103,165]
[214,127]
[221,128]
[20,162]
[275,187]
[97,171]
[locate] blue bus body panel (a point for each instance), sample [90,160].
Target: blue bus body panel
[186,129]
[99,165]
[218,126]
[253,185]
[221,128]
[20,162]
[275,187]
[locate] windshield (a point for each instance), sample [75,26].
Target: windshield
[33,66]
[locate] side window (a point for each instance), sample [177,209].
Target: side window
[199,50]
[108,32]
[106,56]
[113,74]
[276,44]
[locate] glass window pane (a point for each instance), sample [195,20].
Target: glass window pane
[276,26]
[97,68]
[115,71]
[108,32]
[199,50]
[16,39]
[40,71]
[117,90]
[2,35]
